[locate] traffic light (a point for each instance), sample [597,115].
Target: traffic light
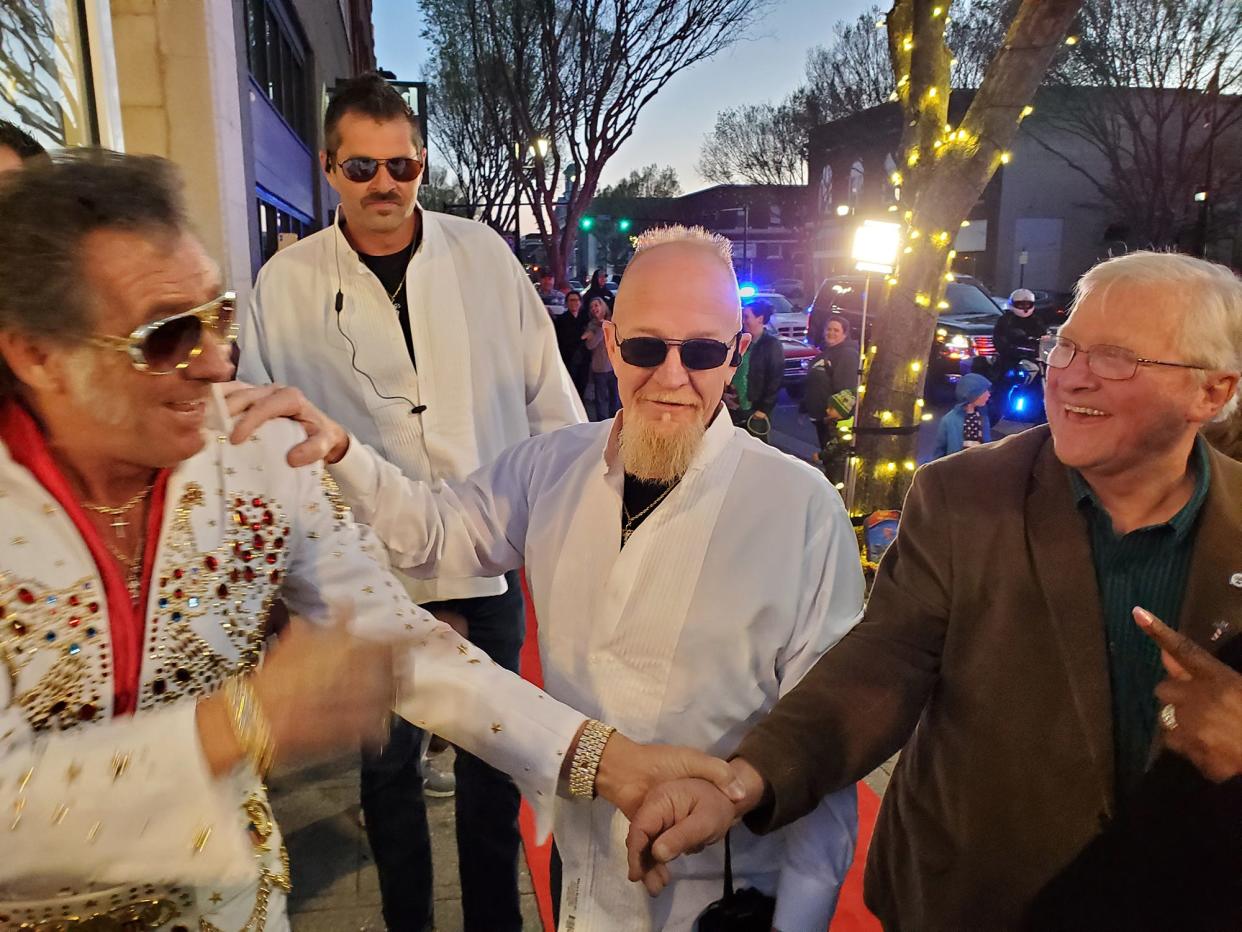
[586,224]
[624,224]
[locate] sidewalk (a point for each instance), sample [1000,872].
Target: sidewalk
[335,888]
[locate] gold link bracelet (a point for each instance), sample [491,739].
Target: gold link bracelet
[250,725]
[586,760]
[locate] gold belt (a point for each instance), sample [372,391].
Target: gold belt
[130,917]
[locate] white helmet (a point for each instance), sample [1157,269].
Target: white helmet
[1022,302]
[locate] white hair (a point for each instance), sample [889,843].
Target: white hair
[676,233]
[1208,295]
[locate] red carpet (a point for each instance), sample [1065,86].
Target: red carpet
[852,915]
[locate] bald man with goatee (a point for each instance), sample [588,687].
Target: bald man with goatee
[685,575]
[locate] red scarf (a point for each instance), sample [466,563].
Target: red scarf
[126,617]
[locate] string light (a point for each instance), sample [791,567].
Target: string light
[918,402]
[913,158]
[952,62]
[910,465]
[942,305]
[1006,158]
[892,208]
[952,253]
[915,234]
[931,93]
[937,11]
[950,277]
[1027,110]
[908,43]
[922,300]
[916,367]
[965,223]
[1071,40]
[940,238]
[880,23]
[895,178]
[928,417]
[886,416]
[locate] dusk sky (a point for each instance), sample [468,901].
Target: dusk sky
[763,67]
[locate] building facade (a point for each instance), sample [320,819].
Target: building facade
[233,91]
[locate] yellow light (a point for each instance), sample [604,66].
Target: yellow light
[918,402]
[942,305]
[931,92]
[940,238]
[928,417]
[1071,40]
[908,215]
[965,223]
[909,464]
[950,277]
[892,208]
[895,177]
[916,367]
[873,350]
[886,416]
[941,332]
[905,79]
[922,300]
[948,128]
[1006,158]
[908,250]
[891,280]
[938,143]
[913,158]
[952,253]
[915,234]
[908,44]
[843,210]
[952,62]
[890,467]
[938,10]
[1027,110]
[861,389]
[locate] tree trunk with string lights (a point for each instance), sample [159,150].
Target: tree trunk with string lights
[944,171]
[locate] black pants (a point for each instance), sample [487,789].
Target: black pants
[486,802]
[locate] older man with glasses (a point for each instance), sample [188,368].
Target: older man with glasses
[999,652]
[685,574]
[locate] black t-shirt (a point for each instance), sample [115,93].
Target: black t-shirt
[639,495]
[390,270]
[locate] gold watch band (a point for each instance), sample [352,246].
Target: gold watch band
[586,760]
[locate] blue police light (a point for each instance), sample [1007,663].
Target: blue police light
[1019,404]
[747,291]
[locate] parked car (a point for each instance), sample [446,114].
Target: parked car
[798,358]
[793,289]
[577,286]
[787,321]
[963,331]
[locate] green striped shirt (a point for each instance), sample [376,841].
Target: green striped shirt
[1146,567]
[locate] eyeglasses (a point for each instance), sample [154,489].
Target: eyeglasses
[168,344]
[360,168]
[697,354]
[1108,362]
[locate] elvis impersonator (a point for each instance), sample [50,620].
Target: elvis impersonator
[685,575]
[140,553]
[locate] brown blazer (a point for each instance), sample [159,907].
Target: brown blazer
[981,654]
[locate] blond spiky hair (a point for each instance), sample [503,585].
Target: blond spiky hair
[676,233]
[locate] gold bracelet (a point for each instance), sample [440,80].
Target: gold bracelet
[250,725]
[587,757]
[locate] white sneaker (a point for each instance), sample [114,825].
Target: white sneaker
[439,781]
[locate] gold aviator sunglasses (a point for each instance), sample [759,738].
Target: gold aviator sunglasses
[170,343]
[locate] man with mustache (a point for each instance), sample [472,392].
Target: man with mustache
[685,574]
[422,333]
[1028,705]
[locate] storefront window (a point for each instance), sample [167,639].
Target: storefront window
[44,84]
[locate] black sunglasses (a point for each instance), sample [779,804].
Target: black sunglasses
[360,168]
[699,353]
[1024,305]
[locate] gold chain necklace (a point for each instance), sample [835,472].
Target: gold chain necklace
[392,298]
[119,512]
[629,522]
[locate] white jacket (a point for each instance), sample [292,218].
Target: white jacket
[488,371]
[717,605]
[94,805]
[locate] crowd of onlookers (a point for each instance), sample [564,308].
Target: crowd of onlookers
[578,318]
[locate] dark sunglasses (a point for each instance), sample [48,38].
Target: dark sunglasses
[360,168]
[168,344]
[699,353]
[1024,305]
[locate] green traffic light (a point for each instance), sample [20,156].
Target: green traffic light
[586,223]
[624,224]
